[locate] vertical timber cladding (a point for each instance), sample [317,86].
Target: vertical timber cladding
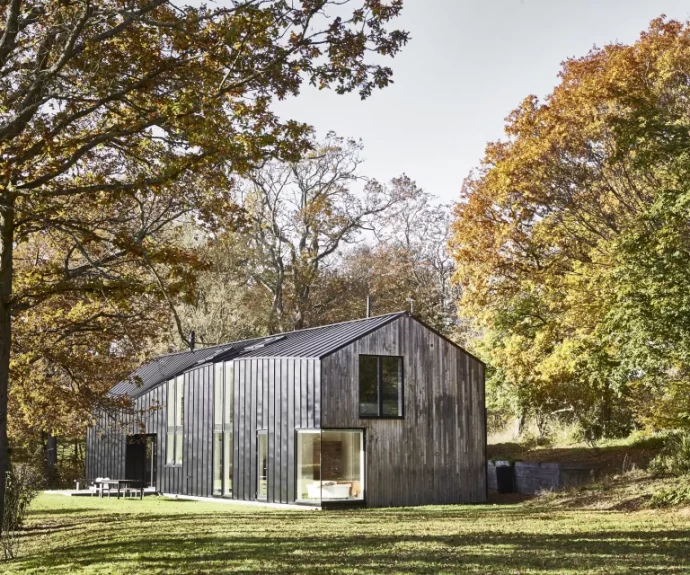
[276,395]
[105,446]
[106,441]
[149,417]
[437,452]
[196,472]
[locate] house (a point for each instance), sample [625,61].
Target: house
[382,411]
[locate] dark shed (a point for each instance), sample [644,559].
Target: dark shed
[381,411]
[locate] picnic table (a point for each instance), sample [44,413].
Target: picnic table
[120,483]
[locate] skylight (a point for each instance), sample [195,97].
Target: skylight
[264,342]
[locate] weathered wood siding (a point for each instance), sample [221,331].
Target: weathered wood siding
[437,452]
[197,456]
[276,395]
[105,447]
[106,443]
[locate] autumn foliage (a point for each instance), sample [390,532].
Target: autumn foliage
[572,241]
[120,121]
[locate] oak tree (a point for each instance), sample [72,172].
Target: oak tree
[300,214]
[118,115]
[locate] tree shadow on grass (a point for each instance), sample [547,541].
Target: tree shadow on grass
[317,552]
[59,511]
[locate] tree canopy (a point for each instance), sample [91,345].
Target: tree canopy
[318,237]
[118,119]
[572,245]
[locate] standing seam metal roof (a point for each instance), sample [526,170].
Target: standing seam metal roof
[315,342]
[165,367]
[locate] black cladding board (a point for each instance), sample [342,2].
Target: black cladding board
[437,453]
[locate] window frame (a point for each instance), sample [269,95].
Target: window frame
[379,387]
[223,420]
[363,463]
[259,434]
[177,384]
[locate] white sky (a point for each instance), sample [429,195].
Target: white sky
[469,63]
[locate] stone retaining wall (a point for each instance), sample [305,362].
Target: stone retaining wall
[530,477]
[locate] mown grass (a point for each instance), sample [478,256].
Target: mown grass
[161,536]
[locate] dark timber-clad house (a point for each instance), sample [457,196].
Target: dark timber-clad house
[381,411]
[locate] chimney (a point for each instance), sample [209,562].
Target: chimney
[368,306]
[192,340]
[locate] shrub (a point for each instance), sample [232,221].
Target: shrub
[674,459]
[672,496]
[22,485]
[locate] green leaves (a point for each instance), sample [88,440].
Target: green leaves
[572,241]
[121,121]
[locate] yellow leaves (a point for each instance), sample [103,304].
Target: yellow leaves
[537,232]
[151,112]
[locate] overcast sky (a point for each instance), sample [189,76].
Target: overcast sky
[469,63]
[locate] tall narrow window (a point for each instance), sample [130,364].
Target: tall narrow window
[175,407]
[228,401]
[170,440]
[380,386]
[222,429]
[262,466]
[218,429]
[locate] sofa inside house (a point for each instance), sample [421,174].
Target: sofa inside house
[329,490]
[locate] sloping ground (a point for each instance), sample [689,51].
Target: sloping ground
[70,535]
[622,482]
[608,459]
[628,491]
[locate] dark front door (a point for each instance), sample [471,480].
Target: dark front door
[140,459]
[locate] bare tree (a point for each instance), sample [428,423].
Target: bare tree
[421,231]
[301,213]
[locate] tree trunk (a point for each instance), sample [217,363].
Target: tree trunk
[50,458]
[6,247]
[275,319]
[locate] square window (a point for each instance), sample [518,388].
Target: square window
[330,465]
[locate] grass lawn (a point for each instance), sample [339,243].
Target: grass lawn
[85,535]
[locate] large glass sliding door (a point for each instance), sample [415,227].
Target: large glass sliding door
[330,465]
[222,429]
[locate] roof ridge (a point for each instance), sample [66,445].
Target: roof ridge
[170,354]
[167,366]
[163,355]
[339,323]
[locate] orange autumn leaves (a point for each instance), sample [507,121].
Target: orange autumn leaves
[551,225]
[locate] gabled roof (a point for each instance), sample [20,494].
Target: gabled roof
[315,342]
[318,342]
[165,367]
